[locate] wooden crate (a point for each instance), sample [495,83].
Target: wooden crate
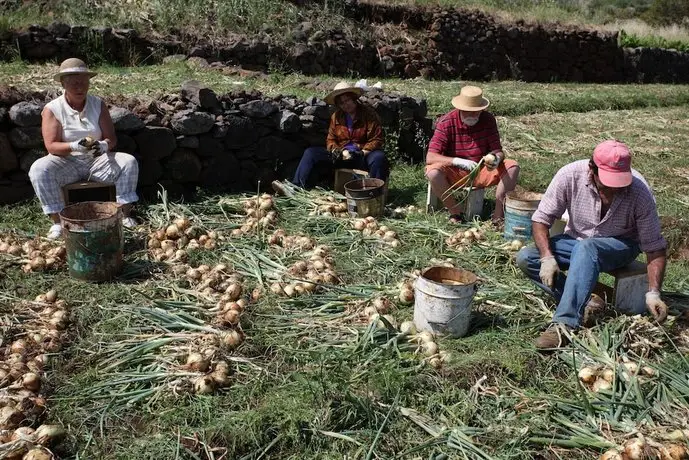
[88,191]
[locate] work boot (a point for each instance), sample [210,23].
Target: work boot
[280,188]
[556,336]
[594,310]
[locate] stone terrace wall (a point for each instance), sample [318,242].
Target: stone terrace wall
[445,43]
[196,138]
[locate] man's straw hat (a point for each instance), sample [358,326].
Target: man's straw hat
[470,99]
[72,66]
[341,88]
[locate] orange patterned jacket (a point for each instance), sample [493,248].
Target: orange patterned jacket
[367,132]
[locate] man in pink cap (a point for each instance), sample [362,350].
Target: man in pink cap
[612,218]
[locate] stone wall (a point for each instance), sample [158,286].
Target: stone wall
[199,139]
[433,43]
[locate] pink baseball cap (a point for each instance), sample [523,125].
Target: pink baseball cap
[614,161]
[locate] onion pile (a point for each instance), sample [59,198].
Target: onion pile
[260,213]
[36,255]
[318,269]
[280,238]
[22,363]
[173,242]
[369,227]
[330,209]
[212,375]
[641,448]
[212,282]
[601,378]
[427,347]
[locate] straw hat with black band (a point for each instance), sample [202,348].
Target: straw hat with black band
[73,66]
[341,88]
[470,99]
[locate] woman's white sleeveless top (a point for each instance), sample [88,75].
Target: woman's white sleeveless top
[76,125]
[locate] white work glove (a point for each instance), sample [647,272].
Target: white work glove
[80,145]
[464,164]
[102,147]
[549,270]
[492,161]
[346,155]
[656,306]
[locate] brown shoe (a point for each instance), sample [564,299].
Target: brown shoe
[556,336]
[593,311]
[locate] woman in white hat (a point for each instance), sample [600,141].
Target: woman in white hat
[355,138]
[79,135]
[462,138]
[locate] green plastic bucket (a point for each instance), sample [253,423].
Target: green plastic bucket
[94,240]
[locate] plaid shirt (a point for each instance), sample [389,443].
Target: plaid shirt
[366,132]
[632,214]
[454,138]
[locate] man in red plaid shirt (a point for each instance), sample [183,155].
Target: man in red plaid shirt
[612,218]
[462,138]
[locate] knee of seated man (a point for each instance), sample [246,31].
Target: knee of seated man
[524,256]
[587,245]
[433,174]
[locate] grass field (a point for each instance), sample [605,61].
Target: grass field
[312,380]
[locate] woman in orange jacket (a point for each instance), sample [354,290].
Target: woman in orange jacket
[355,138]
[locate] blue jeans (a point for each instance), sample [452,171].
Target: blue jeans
[583,260]
[375,163]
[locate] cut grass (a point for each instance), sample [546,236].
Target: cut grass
[324,392]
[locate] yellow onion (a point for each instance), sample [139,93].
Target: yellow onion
[516,245]
[381,305]
[234,290]
[172,232]
[635,448]
[19,346]
[407,327]
[425,336]
[14,250]
[204,385]
[232,339]
[46,433]
[182,223]
[608,375]
[31,381]
[231,316]
[674,452]
[601,385]
[587,375]
[10,418]
[37,453]
[51,296]
[435,362]
[429,348]
[196,362]
[406,295]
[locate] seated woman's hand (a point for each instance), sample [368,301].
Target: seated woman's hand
[81,145]
[101,147]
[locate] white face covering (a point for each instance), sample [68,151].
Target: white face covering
[470,121]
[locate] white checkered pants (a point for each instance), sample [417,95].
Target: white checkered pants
[49,174]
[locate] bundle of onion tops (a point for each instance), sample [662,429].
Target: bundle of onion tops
[174,242]
[291,242]
[219,280]
[35,254]
[369,227]
[601,378]
[306,275]
[330,208]
[213,375]
[260,214]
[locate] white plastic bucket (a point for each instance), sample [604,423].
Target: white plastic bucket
[442,300]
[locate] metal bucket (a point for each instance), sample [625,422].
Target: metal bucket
[94,240]
[365,197]
[519,207]
[442,300]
